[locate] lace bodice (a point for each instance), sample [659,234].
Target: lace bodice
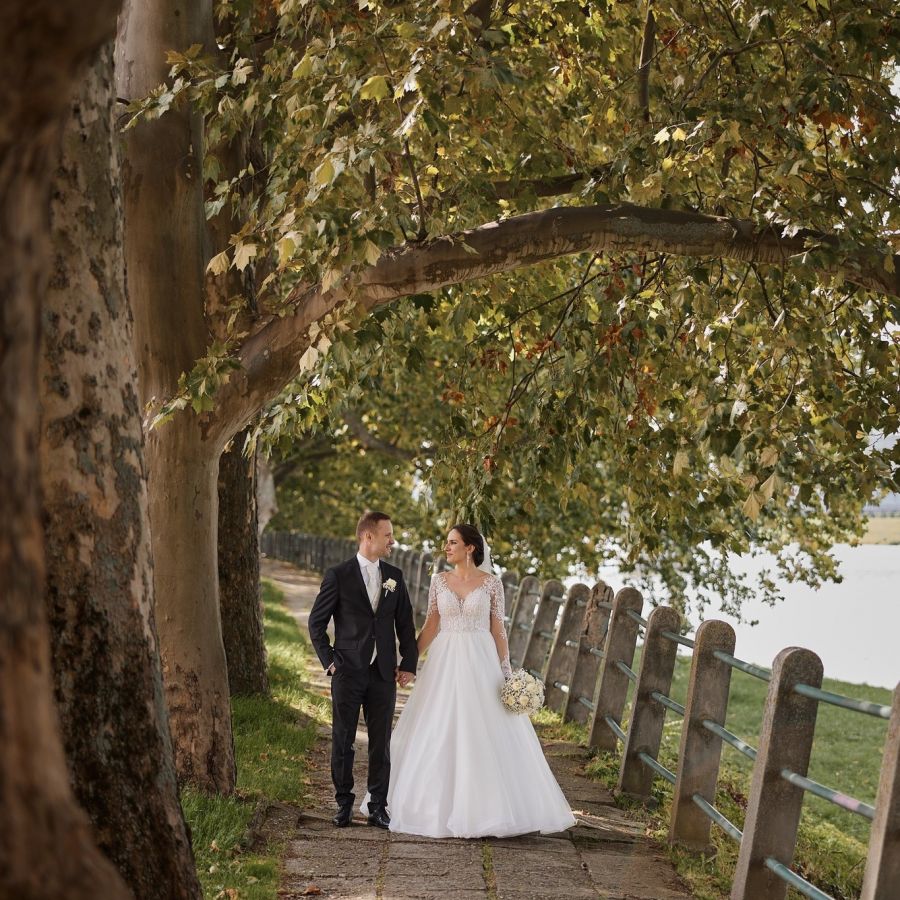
[482,609]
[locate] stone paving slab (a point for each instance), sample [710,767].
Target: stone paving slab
[606,855]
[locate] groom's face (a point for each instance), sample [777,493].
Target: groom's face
[381,539]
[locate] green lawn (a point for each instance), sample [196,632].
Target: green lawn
[846,756]
[271,737]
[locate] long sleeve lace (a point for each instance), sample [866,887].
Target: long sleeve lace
[498,626]
[432,599]
[432,619]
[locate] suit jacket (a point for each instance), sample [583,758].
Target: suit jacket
[357,628]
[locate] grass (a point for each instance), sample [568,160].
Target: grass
[831,848]
[271,737]
[882,530]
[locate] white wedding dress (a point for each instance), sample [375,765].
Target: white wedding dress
[462,765]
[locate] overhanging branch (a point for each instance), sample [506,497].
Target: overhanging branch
[370,441]
[270,358]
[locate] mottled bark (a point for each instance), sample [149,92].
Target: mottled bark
[96,526]
[166,246]
[47,847]
[239,596]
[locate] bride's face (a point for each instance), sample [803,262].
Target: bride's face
[455,548]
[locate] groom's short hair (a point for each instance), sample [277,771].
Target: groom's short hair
[368,522]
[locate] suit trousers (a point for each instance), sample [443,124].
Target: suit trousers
[352,690]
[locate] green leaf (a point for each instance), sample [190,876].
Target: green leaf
[218,265]
[372,253]
[324,174]
[375,88]
[243,253]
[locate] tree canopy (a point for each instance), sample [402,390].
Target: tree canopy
[620,271]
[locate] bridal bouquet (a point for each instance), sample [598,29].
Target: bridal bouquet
[522,693]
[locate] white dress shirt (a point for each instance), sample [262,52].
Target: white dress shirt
[371,570]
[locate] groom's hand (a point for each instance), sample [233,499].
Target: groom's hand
[405,678]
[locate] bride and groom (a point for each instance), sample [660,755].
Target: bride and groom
[458,764]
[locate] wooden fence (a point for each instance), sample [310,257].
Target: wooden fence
[582,643]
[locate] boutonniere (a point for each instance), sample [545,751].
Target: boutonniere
[390,584]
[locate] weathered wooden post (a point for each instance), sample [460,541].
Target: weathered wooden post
[882,878]
[564,650]
[774,804]
[521,618]
[612,687]
[648,715]
[700,751]
[510,582]
[414,583]
[580,701]
[423,586]
[543,628]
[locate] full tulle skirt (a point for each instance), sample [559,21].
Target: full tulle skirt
[462,765]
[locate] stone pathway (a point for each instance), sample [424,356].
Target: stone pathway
[604,856]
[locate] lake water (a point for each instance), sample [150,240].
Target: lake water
[854,626]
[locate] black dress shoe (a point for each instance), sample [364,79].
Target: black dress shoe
[344,816]
[379,817]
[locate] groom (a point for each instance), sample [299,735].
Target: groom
[368,601]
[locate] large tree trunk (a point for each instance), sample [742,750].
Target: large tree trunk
[166,251]
[239,597]
[99,572]
[48,848]
[183,511]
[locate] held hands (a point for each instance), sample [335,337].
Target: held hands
[404,678]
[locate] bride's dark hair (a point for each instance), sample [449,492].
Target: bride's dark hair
[472,538]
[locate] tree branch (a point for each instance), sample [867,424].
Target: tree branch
[646,56]
[270,358]
[371,442]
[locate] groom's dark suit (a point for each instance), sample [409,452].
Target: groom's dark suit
[358,682]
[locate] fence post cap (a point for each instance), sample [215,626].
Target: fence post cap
[630,597]
[717,630]
[665,617]
[800,662]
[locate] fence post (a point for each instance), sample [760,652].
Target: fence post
[564,651]
[543,628]
[521,618]
[580,702]
[647,714]
[774,804]
[612,688]
[510,581]
[883,865]
[700,751]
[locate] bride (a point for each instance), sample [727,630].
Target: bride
[462,765]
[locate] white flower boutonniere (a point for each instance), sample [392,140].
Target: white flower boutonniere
[390,585]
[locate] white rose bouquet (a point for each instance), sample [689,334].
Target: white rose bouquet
[522,693]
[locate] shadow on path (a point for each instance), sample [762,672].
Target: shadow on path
[604,856]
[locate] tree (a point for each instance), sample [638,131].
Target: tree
[239,595]
[732,181]
[165,248]
[107,677]
[48,848]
